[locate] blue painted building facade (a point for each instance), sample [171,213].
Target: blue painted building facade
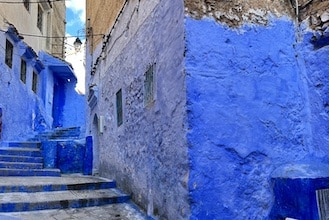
[37,91]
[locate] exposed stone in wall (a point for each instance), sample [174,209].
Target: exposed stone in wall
[316,13]
[236,12]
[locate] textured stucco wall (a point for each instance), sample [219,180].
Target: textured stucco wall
[315,69]
[147,154]
[256,102]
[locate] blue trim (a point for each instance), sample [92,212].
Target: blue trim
[38,66]
[12,33]
[60,68]
[29,53]
[26,51]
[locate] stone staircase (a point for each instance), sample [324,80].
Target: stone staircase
[25,185]
[19,194]
[23,159]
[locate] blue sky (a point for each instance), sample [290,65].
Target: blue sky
[75,17]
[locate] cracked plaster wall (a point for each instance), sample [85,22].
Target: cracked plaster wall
[245,105]
[257,100]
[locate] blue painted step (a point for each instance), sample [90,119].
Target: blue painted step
[48,184]
[27,144]
[20,165]
[29,172]
[56,187]
[23,159]
[60,200]
[16,151]
[19,194]
[59,133]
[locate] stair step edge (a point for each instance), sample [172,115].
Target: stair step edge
[57,200]
[57,187]
[29,172]
[18,158]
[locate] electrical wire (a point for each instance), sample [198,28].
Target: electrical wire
[31,2]
[60,37]
[108,37]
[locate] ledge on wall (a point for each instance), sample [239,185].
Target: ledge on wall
[59,67]
[295,189]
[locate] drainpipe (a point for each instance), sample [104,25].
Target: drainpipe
[297,9]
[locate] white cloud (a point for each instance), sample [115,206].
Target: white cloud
[78,7]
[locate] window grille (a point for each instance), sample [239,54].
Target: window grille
[23,71]
[34,82]
[9,53]
[149,86]
[119,108]
[40,18]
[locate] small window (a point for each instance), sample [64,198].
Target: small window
[27,4]
[9,53]
[34,82]
[149,86]
[23,71]
[40,18]
[119,108]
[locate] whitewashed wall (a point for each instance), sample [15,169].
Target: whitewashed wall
[147,155]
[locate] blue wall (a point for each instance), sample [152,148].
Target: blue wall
[23,110]
[315,69]
[251,110]
[74,108]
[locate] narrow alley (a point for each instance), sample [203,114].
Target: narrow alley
[169,110]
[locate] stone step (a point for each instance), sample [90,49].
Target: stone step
[62,133]
[23,159]
[19,202]
[47,184]
[29,172]
[27,144]
[119,211]
[20,165]
[17,151]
